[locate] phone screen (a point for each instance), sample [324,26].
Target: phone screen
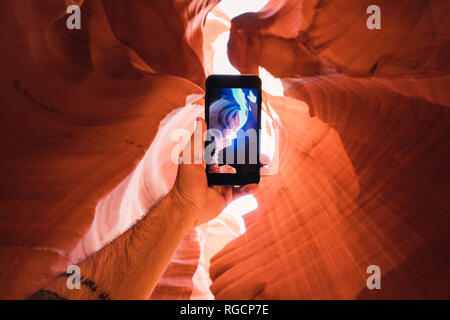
[232,142]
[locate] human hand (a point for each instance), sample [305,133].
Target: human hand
[191,191]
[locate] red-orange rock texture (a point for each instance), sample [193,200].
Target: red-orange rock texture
[364,175]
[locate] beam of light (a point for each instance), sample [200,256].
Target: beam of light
[221,64]
[234,8]
[240,207]
[270,84]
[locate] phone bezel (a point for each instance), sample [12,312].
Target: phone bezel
[234,81]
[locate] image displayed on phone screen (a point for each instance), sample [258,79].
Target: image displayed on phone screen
[232,137]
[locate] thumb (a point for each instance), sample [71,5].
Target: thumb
[200,137]
[193,151]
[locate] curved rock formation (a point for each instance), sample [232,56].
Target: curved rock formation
[385,92]
[79,109]
[293,38]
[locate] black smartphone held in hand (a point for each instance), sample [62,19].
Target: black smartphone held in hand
[233,118]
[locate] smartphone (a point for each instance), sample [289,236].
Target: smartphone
[233,118]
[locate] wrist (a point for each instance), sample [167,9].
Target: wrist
[180,211]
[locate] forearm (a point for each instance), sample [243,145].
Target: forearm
[129,267]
